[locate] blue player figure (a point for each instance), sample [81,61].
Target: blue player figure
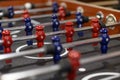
[105,40]
[55,7]
[27,20]
[1,30]
[58,49]
[79,22]
[10,15]
[28,30]
[55,23]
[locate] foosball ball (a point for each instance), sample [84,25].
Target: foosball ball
[58,40]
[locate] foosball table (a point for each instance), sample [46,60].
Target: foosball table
[58,40]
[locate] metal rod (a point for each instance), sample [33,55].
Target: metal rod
[39,71]
[88,41]
[54,68]
[31,10]
[22,7]
[99,57]
[61,22]
[47,34]
[55,33]
[78,43]
[45,24]
[65,45]
[34,10]
[23,53]
[23,38]
[32,17]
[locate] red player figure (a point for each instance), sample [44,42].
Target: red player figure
[7,42]
[40,37]
[26,14]
[62,13]
[73,57]
[62,16]
[69,32]
[96,29]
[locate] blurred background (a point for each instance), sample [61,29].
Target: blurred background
[106,3]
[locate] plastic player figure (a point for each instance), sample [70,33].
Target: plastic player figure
[96,29]
[79,22]
[55,7]
[1,30]
[28,30]
[55,23]
[28,26]
[27,20]
[54,16]
[10,15]
[73,57]
[69,32]
[58,49]
[7,42]
[105,40]
[10,12]
[26,14]
[40,38]
[62,15]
